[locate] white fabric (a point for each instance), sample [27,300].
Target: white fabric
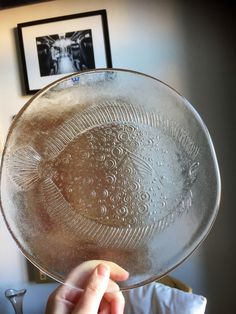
[160,299]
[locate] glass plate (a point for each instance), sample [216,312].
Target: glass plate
[109,165]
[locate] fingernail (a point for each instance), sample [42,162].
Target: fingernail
[103,270]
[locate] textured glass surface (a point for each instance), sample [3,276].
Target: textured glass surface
[109,165]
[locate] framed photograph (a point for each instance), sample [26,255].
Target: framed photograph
[56,47]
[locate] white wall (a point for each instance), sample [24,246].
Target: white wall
[147,36]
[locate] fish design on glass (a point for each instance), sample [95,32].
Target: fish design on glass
[114,174]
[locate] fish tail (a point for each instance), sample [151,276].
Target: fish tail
[22,167]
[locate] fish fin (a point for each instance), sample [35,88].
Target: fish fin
[22,166]
[56,205]
[98,114]
[193,171]
[62,213]
[72,221]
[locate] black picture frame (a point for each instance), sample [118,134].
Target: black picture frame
[78,42]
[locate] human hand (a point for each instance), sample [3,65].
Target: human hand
[96,278]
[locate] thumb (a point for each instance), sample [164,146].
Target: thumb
[96,287]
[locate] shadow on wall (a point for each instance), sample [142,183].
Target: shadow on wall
[211,66]
[20,71]
[5,4]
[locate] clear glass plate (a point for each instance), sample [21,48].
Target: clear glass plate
[109,165]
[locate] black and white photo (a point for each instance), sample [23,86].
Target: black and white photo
[65,52]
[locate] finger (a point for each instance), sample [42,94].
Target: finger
[118,303]
[80,274]
[104,307]
[115,299]
[62,300]
[96,287]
